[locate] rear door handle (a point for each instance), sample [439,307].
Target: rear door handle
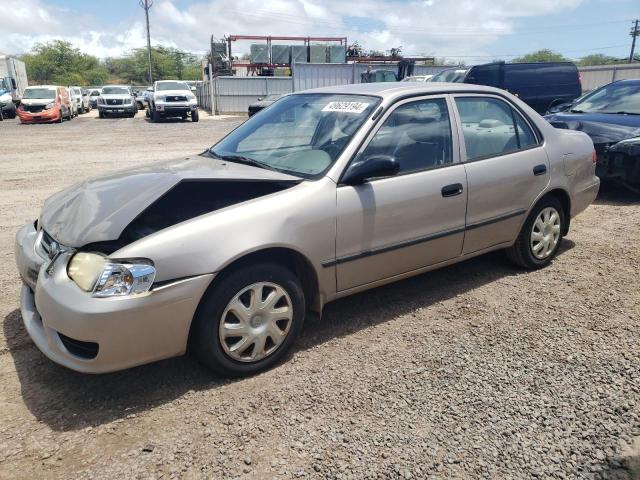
[452,190]
[539,170]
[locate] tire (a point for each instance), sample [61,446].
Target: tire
[522,252]
[13,113]
[206,336]
[69,114]
[153,116]
[101,114]
[195,116]
[59,120]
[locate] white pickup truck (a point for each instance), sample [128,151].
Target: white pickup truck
[13,81]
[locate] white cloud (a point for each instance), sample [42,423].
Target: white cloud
[427,27]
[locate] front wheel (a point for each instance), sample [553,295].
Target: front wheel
[541,235]
[195,116]
[248,319]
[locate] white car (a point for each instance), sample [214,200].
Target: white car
[76,100]
[172,98]
[417,78]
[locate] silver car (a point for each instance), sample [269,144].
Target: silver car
[326,193]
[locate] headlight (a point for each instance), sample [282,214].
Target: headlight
[101,100]
[127,101]
[49,105]
[105,277]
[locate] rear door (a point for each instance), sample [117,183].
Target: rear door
[390,226]
[506,167]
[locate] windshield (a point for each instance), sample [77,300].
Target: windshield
[44,93]
[612,98]
[172,86]
[300,134]
[115,90]
[453,75]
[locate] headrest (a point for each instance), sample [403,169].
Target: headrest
[490,123]
[427,133]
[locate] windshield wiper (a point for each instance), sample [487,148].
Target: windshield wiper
[576,111]
[624,113]
[244,160]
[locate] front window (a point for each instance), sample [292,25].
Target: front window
[417,135]
[300,134]
[613,98]
[40,93]
[172,86]
[115,91]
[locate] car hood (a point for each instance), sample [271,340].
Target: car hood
[117,96]
[603,128]
[262,103]
[100,209]
[37,101]
[171,93]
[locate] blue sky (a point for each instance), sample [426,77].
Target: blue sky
[471,30]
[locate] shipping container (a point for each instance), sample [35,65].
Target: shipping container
[299,54]
[318,54]
[280,54]
[259,53]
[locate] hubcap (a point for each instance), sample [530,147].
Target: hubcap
[545,233]
[256,322]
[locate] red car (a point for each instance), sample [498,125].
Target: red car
[44,104]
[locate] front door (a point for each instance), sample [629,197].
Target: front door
[390,226]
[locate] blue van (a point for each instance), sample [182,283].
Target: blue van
[540,85]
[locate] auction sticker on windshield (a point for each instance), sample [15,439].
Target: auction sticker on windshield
[345,107]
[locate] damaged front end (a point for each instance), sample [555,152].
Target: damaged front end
[187,200]
[620,161]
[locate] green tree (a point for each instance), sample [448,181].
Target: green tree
[59,62]
[167,63]
[544,55]
[599,59]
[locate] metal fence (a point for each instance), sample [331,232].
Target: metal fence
[594,77]
[234,94]
[314,75]
[225,95]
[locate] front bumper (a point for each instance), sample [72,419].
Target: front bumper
[117,108]
[125,331]
[51,115]
[174,108]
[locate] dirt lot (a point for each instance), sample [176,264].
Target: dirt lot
[474,371]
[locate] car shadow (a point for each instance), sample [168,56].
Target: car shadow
[615,194]
[169,120]
[67,400]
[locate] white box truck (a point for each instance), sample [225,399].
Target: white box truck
[13,81]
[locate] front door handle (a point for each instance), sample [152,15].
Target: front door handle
[539,170]
[452,190]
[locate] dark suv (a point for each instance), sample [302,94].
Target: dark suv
[541,85]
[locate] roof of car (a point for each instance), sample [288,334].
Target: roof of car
[395,89]
[42,86]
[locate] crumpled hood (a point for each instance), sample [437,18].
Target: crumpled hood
[99,209]
[603,128]
[37,101]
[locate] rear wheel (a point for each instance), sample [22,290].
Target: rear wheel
[541,235]
[248,319]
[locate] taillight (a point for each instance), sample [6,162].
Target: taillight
[594,157]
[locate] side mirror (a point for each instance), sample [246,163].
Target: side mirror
[193,89]
[559,106]
[371,167]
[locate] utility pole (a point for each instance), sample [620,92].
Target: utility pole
[634,33]
[146,4]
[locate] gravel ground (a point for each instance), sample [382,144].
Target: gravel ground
[474,371]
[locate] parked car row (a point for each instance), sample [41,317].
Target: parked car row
[54,103]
